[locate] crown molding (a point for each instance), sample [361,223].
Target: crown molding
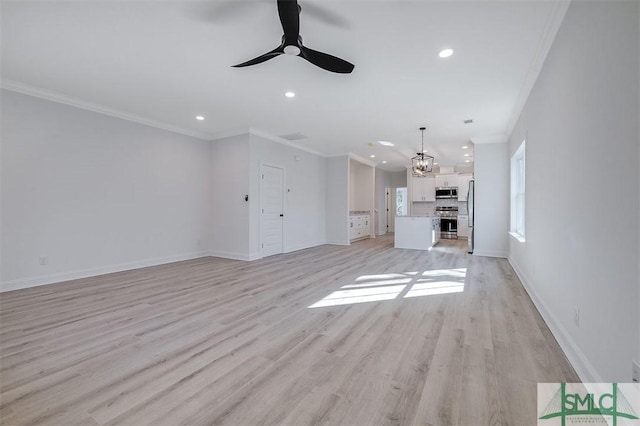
[266,135]
[359,159]
[556,16]
[230,133]
[52,96]
[283,141]
[354,157]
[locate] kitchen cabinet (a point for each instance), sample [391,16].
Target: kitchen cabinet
[423,189]
[359,227]
[446,180]
[463,226]
[463,186]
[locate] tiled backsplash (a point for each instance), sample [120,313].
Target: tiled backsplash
[430,207]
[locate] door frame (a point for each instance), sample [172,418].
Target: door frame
[284,205]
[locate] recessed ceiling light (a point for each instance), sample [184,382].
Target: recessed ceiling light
[199,117]
[290,94]
[372,156]
[435,164]
[445,53]
[384,161]
[467,155]
[465,147]
[386,143]
[467,161]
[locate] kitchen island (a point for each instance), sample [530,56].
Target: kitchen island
[416,232]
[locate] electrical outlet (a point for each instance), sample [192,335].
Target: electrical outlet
[44,260]
[576,316]
[635,375]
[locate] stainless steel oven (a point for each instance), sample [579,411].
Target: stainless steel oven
[448,221]
[449,227]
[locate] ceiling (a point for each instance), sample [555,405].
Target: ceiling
[166,62]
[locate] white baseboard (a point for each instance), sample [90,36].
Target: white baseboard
[339,242]
[490,253]
[231,255]
[257,255]
[74,275]
[576,357]
[303,246]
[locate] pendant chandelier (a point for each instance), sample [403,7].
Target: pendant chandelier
[422,163]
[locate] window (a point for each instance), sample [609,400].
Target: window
[401,202]
[517,193]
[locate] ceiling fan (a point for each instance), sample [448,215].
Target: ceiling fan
[289,12]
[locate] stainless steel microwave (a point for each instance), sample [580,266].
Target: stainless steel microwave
[447,192]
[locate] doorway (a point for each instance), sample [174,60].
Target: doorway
[396,204]
[272,210]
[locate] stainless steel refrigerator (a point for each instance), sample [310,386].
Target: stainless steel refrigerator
[470,212]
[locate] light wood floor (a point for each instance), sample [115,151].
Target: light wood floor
[215,341]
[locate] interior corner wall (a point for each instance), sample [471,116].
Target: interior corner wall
[304,222]
[353,173]
[337,196]
[230,236]
[361,184]
[582,136]
[399,179]
[383,181]
[94,194]
[491,214]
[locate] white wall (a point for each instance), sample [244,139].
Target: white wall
[304,198]
[362,191]
[236,163]
[230,233]
[582,189]
[399,179]
[353,170]
[383,181]
[491,215]
[337,198]
[361,186]
[94,193]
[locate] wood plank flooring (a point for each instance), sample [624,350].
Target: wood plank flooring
[396,337]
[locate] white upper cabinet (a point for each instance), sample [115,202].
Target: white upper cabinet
[446,180]
[463,186]
[423,189]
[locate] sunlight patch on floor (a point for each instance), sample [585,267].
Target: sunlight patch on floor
[375,288]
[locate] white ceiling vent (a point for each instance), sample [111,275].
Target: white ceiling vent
[294,136]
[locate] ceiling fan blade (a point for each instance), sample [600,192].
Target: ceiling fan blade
[289,12]
[265,57]
[326,61]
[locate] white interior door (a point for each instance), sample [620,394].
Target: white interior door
[272,210]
